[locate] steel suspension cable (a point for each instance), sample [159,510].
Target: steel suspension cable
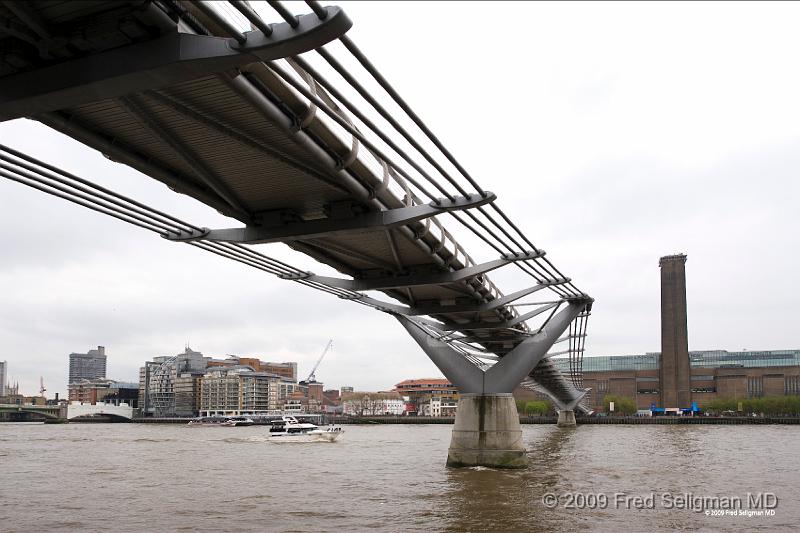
[354,132]
[369,67]
[328,86]
[9,171]
[69,198]
[36,162]
[348,105]
[375,104]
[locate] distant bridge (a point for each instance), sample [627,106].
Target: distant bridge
[249,112]
[81,410]
[70,412]
[43,411]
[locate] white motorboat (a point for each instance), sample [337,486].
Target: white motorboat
[289,429]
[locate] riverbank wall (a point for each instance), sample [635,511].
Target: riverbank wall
[632,420]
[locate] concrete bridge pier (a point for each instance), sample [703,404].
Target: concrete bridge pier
[566,419]
[487,430]
[566,412]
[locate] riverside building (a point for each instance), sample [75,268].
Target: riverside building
[373,403]
[713,374]
[285,370]
[171,386]
[238,391]
[429,396]
[676,377]
[104,391]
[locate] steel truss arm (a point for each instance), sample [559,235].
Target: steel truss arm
[201,170]
[486,306]
[506,373]
[453,326]
[331,227]
[415,279]
[162,62]
[572,404]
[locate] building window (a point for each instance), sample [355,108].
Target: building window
[791,385]
[755,387]
[702,378]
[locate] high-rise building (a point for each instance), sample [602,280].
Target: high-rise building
[90,365]
[676,390]
[3,377]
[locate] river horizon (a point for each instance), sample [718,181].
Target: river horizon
[133,477]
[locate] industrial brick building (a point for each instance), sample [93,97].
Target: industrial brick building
[104,391]
[676,377]
[713,374]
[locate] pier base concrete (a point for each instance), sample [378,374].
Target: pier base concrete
[566,419]
[487,433]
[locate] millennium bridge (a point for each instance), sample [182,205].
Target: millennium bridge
[279,121]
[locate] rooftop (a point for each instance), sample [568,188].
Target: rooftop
[424,381]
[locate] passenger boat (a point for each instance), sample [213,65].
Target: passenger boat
[221,421]
[289,429]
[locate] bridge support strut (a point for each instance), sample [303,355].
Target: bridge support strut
[566,412]
[487,430]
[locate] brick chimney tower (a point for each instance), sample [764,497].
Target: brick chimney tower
[674,372]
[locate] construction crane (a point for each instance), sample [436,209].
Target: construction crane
[312,377]
[42,390]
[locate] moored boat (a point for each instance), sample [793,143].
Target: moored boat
[237,421]
[221,421]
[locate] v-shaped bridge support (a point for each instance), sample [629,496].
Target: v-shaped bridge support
[486,430]
[506,373]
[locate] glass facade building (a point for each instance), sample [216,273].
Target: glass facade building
[698,359]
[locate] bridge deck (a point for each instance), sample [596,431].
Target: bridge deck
[245,141]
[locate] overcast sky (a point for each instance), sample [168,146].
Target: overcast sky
[612,133]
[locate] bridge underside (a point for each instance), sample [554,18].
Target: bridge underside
[243,122]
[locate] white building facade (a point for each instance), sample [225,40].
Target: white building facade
[373,404]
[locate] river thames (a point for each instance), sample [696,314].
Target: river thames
[136,477]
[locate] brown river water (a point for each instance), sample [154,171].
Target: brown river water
[136,477]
